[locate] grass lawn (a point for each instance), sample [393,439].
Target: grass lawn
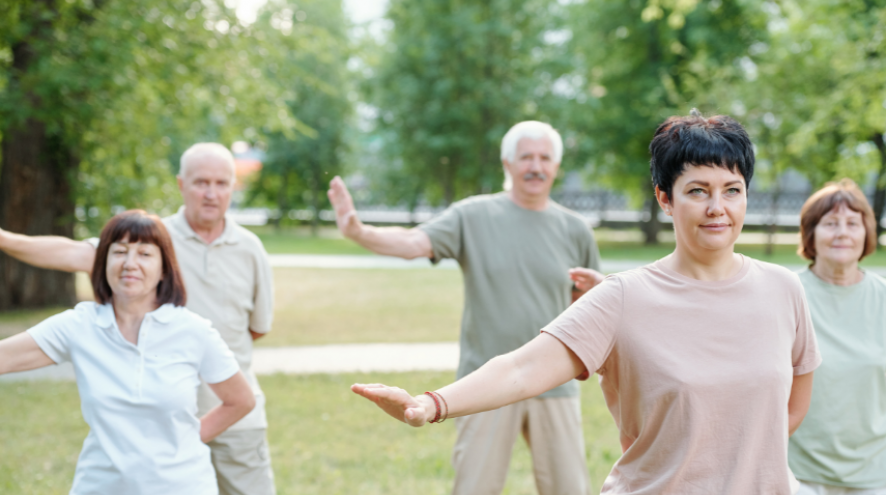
[333,306]
[324,439]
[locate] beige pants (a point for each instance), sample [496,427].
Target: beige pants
[808,488]
[242,463]
[552,429]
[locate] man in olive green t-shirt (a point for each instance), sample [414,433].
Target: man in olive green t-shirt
[524,259]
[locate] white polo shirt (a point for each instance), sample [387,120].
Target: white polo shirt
[140,401]
[229,282]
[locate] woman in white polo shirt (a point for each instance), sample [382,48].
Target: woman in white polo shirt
[139,355]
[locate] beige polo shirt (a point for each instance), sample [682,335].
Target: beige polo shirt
[229,282]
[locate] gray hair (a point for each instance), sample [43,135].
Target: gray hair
[201,150]
[531,129]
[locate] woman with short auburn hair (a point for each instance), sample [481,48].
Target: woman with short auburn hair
[841,447]
[139,355]
[705,357]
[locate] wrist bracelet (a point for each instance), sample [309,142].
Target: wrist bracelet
[437,404]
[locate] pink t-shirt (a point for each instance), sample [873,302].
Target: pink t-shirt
[697,375]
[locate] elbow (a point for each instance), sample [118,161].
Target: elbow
[248,404]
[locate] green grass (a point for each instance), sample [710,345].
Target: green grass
[324,439]
[333,306]
[298,240]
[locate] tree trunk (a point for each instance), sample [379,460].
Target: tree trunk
[773,220]
[35,199]
[880,189]
[315,199]
[36,172]
[652,226]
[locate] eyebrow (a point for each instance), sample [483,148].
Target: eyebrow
[703,183]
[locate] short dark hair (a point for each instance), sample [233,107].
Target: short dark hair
[822,202]
[718,141]
[138,226]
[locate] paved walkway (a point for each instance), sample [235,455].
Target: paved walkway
[303,360]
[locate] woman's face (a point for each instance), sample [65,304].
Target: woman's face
[134,269]
[839,237]
[708,205]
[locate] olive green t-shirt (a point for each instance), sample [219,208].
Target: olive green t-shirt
[842,441]
[515,264]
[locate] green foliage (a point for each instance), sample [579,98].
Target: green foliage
[130,85]
[636,63]
[307,51]
[453,77]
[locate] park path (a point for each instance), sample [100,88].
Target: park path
[304,360]
[348,358]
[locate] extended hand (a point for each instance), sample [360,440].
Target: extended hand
[343,204]
[394,401]
[585,279]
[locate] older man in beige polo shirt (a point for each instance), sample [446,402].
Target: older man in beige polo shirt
[228,279]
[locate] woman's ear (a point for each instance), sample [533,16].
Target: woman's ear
[663,201]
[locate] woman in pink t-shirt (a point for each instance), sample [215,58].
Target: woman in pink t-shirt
[705,357]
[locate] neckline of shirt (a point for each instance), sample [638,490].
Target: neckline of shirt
[839,289]
[105,317]
[738,277]
[228,236]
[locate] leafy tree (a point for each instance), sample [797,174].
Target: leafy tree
[823,90]
[98,97]
[306,51]
[453,77]
[636,63]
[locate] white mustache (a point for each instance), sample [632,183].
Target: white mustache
[535,175]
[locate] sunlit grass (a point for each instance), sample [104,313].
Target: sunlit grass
[324,439]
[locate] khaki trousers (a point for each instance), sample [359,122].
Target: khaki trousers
[242,463]
[552,429]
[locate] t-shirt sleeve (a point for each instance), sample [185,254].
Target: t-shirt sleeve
[263,306]
[445,232]
[218,362]
[590,325]
[804,354]
[53,335]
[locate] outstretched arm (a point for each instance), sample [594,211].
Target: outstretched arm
[390,241]
[21,353]
[50,252]
[540,365]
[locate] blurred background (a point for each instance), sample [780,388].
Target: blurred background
[408,100]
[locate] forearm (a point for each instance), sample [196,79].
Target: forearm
[541,365]
[49,252]
[798,404]
[219,419]
[394,241]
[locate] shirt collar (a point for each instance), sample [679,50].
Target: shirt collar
[106,318]
[229,236]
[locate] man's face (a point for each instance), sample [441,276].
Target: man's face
[534,170]
[206,189]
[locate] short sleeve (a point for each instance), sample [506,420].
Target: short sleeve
[53,335]
[263,305]
[804,354]
[590,325]
[218,362]
[445,231]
